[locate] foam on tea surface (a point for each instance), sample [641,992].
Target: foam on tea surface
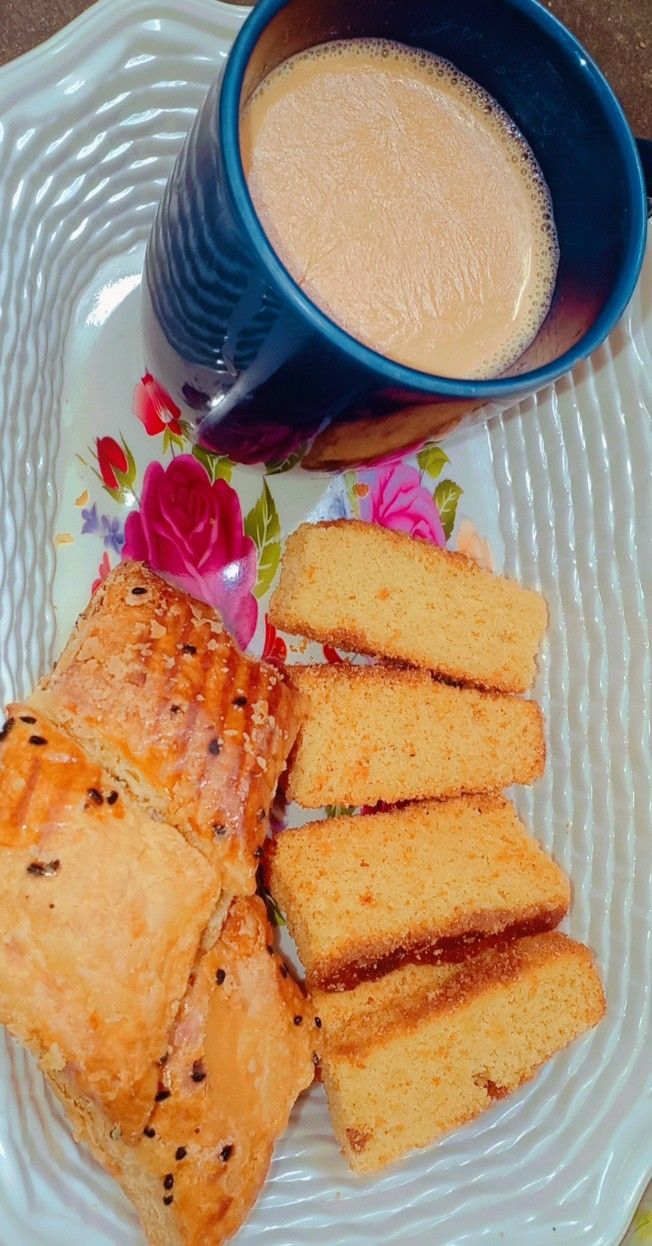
[404,202]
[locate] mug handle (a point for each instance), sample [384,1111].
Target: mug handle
[645,154]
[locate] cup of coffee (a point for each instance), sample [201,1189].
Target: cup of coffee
[388,215]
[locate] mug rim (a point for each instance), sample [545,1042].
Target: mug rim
[396,374]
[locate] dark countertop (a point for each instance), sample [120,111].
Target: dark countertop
[618,33]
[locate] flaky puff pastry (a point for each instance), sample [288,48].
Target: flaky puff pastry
[157,692]
[101,915]
[241,1053]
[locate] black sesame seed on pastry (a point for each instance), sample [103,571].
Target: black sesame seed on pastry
[237,1061]
[156,691]
[102,910]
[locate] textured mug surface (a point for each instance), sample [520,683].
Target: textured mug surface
[256,365]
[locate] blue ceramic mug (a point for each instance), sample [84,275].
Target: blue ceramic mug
[258,368]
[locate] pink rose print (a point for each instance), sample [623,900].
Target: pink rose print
[192,532]
[155,408]
[394,497]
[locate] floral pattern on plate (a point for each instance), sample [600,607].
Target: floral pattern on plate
[560,489]
[178,510]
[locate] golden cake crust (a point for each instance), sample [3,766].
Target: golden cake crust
[429,1048]
[376,591]
[445,987]
[381,733]
[436,881]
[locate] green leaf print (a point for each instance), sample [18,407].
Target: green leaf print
[217,466]
[273,911]
[447,495]
[432,460]
[263,526]
[222,468]
[277,467]
[339,811]
[642,1228]
[171,439]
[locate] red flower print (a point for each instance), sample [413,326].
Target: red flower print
[275,649]
[102,572]
[155,408]
[111,458]
[192,532]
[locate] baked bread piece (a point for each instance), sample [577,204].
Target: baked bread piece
[373,733]
[427,882]
[429,1048]
[156,691]
[101,914]
[241,1053]
[382,592]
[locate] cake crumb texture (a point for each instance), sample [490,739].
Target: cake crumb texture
[429,881]
[376,591]
[373,733]
[427,1049]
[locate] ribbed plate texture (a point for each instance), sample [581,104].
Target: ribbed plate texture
[561,485]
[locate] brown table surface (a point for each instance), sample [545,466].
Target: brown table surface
[618,33]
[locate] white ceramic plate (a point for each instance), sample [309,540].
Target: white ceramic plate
[560,487]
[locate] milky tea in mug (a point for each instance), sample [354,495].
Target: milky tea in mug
[405,203]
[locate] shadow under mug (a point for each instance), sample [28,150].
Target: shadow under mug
[256,366]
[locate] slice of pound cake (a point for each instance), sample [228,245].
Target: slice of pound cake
[376,591]
[429,882]
[428,1048]
[373,733]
